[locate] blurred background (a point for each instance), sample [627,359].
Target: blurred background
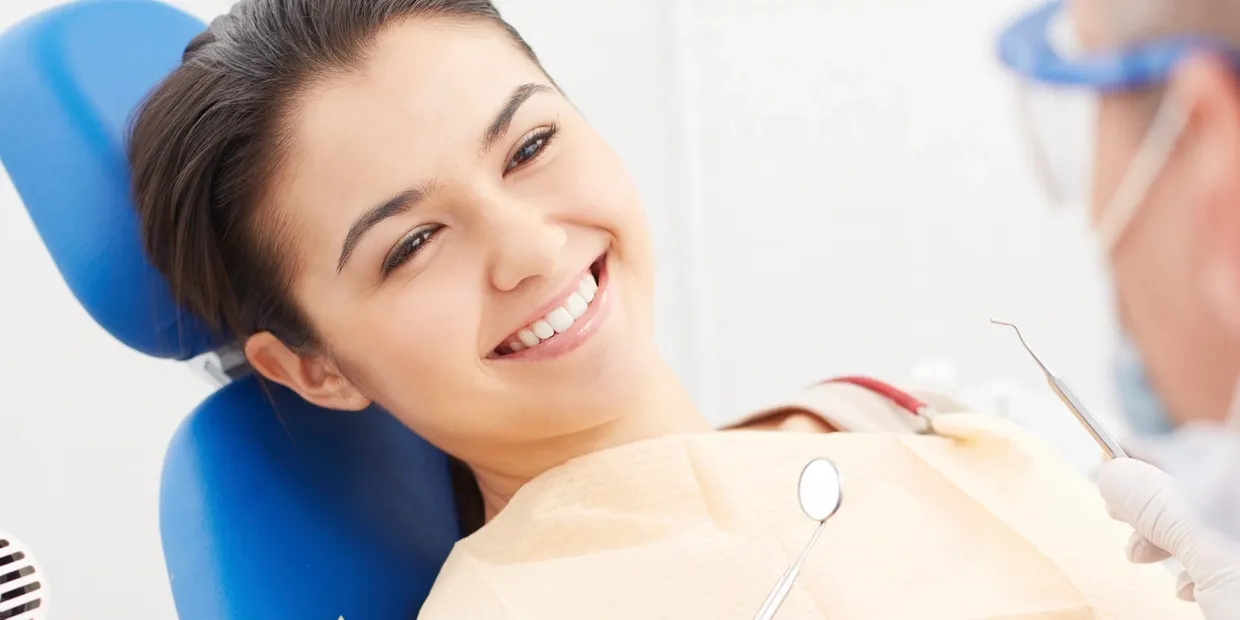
[836,186]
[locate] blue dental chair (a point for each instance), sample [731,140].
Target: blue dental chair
[269,508]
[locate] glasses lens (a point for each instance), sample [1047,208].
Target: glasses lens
[1058,123]
[1059,126]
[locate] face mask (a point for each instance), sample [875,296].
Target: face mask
[1139,402]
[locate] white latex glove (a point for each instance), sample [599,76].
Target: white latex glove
[1146,498]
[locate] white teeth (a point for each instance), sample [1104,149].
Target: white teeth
[575,305]
[527,337]
[587,288]
[560,320]
[543,330]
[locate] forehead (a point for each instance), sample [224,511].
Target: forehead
[1092,21]
[1108,24]
[414,109]
[422,71]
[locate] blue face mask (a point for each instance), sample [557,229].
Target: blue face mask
[1140,404]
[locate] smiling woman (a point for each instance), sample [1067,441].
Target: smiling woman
[389,201]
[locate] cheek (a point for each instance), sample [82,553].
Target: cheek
[1154,268]
[405,349]
[604,196]
[1088,18]
[594,186]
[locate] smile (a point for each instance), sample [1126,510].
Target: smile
[564,324]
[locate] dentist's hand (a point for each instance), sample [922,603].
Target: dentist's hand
[1146,498]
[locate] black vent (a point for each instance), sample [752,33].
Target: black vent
[16,585]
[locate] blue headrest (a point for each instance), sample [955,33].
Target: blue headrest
[301,512]
[69,80]
[266,512]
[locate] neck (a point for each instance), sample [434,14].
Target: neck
[664,408]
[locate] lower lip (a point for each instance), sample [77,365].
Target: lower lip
[578,334]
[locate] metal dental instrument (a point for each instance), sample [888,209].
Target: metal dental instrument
[820,491]
[1110,446]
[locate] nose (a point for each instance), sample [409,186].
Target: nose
[527,244]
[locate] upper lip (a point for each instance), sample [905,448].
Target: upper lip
[553,302]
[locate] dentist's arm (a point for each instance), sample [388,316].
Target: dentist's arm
[1146,498]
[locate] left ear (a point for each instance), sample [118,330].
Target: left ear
[313,376]
[1206,86]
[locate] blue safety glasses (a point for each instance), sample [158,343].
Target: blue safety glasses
[1040,47]
[1058,85]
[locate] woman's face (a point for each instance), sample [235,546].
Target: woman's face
[472,254]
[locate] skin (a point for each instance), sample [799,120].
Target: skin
[1176,267]
[516,230]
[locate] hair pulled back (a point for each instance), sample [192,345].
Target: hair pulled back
[206,143]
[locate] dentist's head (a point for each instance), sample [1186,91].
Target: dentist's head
[1165,183]
[391,202]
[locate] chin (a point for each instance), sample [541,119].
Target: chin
[591,394]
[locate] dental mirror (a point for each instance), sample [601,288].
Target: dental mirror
[820,491]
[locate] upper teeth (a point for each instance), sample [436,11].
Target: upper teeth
[559,319]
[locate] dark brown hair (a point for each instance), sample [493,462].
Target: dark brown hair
[205,145]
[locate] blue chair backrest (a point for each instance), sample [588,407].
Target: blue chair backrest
[269,507]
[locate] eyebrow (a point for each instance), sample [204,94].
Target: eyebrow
[396,205]
[409,199]
[502,120]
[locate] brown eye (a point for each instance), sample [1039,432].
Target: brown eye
[408,247]
[531,148]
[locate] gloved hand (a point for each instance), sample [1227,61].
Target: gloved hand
[1146,498]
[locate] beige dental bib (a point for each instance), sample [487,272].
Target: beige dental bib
[701,526]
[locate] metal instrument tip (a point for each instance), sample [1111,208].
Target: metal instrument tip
[1024,344]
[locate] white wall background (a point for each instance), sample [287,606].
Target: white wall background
[835,186]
